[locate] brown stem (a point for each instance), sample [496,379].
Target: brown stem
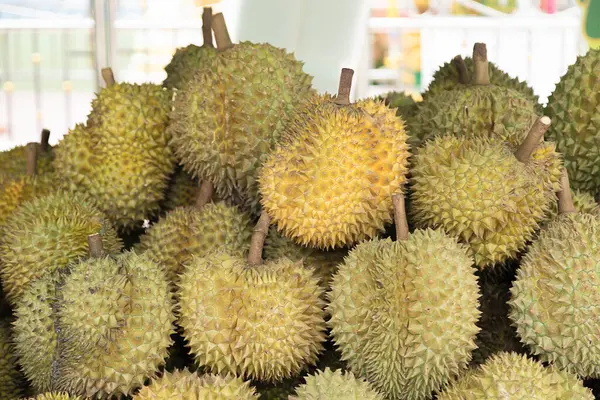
[481,74]
[565,200]
[31,154]
[44,143]
[96,248]
[207,27]
[204,194]
[219,27]
[343,96]
[108,76]
[533,138]
[258,239]
[461,68]
[400,217]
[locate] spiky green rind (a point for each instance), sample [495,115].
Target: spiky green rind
[56,396]
[515,377]
[230,116]
[335,385]
[404,313]
[122,159]
[574,108]
[187,231]
[460,185]
[186,62]
[554,299]
[46,234]
[584,203]
[12,381]
[182,191]
[404,103]
[184,385]
[14,192]
[264,322]
[13,163]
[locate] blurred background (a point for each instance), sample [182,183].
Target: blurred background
[51,50]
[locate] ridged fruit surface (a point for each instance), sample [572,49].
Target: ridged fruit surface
[12,382]
[555,302]
[329,183]
[182,191]
[264,322]
[231,115]
[13,162]
[584,202]
[56,396]
[186,62]
[335,385]
[515,377]
[403,314]
[15,192]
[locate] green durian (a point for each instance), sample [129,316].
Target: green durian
[574,107]
[56,396]
[233,112]
[12,381]
[515,377]
[404,103]
[181,192]
[13,162]
[335,385]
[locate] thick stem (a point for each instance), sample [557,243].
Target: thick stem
[533,138]
[207,27]
[565,200]
[31,154]
[108,76]
[400,217]
[45,141]
[461,68]
[204,194]
[258,239]
[343,96]
[96,248]
[221,34]
[481,74]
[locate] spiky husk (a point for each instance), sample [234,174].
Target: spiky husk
[12,382]
[554,299]
[46,234]
[404,103]
[264,322]
[574,108]
[460,185]
[404,313]
[584,203]
[122,159]
[15,192]
[230,116]
[56,396]
[184,385]
[335,385]
[513,376]
[13,163]
[182,191]
[330,182]
[185,63]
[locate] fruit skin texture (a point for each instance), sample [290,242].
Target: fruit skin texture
[182,191]
[329,183]
[459,185]
[121,160]
[574,107]
[46,234]
[187,231]
[186,62]
[14,192]
[555,299]
[231,115]
[584,202]
[513,376]
[184,385]
[13,163]
[12,381]
[404,313]
[264,322]
[56,396]
[335,385]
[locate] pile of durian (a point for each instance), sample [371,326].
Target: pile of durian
[233,234]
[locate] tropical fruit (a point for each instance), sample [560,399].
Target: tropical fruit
[13,162]
[56,396]
[404,103]
[12,382]
[182,191]
[335,385]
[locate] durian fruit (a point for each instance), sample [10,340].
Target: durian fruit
[13,162]
[184,385]
[461,185]
[12,382]
[182,191]
[187,61]
[335,385]
[46,234]
[121,160]
[404,313]
[258,321]
[516,377]
[330,181]
[232,113]
[584,202]
[555,304]
[56,396]
[574,107]
[404,103]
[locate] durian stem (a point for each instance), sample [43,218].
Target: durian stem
[221,34]
[481,74]
[400,217]
[96,248]
[258,239]
[461,68]
[45,141]
[343,96]
[204,194]
[108,76]
[565,200]
[533,138]
[31,154]
[207,27]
